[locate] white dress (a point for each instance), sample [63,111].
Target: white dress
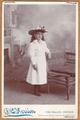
[37,54]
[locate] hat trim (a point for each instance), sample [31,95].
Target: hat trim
[37,30]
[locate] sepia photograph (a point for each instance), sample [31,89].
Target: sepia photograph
[40,54]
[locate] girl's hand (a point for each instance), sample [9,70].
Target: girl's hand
[49,55]
[35,67]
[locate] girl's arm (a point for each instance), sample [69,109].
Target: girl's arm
[47,51]
[32,56]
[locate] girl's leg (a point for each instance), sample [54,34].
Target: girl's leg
[39,87]
[37,90]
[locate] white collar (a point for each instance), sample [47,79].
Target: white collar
[36,41]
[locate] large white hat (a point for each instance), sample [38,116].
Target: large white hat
[38,29]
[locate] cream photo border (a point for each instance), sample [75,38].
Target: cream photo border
[40,109]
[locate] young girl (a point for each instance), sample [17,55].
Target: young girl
[37,73]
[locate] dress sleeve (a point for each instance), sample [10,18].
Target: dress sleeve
[47,51]
[31,53]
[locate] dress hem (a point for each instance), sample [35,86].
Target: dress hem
[37,83]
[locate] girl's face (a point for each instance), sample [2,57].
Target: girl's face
[38,35]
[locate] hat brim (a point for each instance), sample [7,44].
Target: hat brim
[31,32]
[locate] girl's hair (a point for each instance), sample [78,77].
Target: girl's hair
[33,38]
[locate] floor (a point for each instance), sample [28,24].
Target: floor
[16,92]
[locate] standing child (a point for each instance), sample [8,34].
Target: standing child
[37,73]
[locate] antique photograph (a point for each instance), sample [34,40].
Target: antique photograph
[40,53]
